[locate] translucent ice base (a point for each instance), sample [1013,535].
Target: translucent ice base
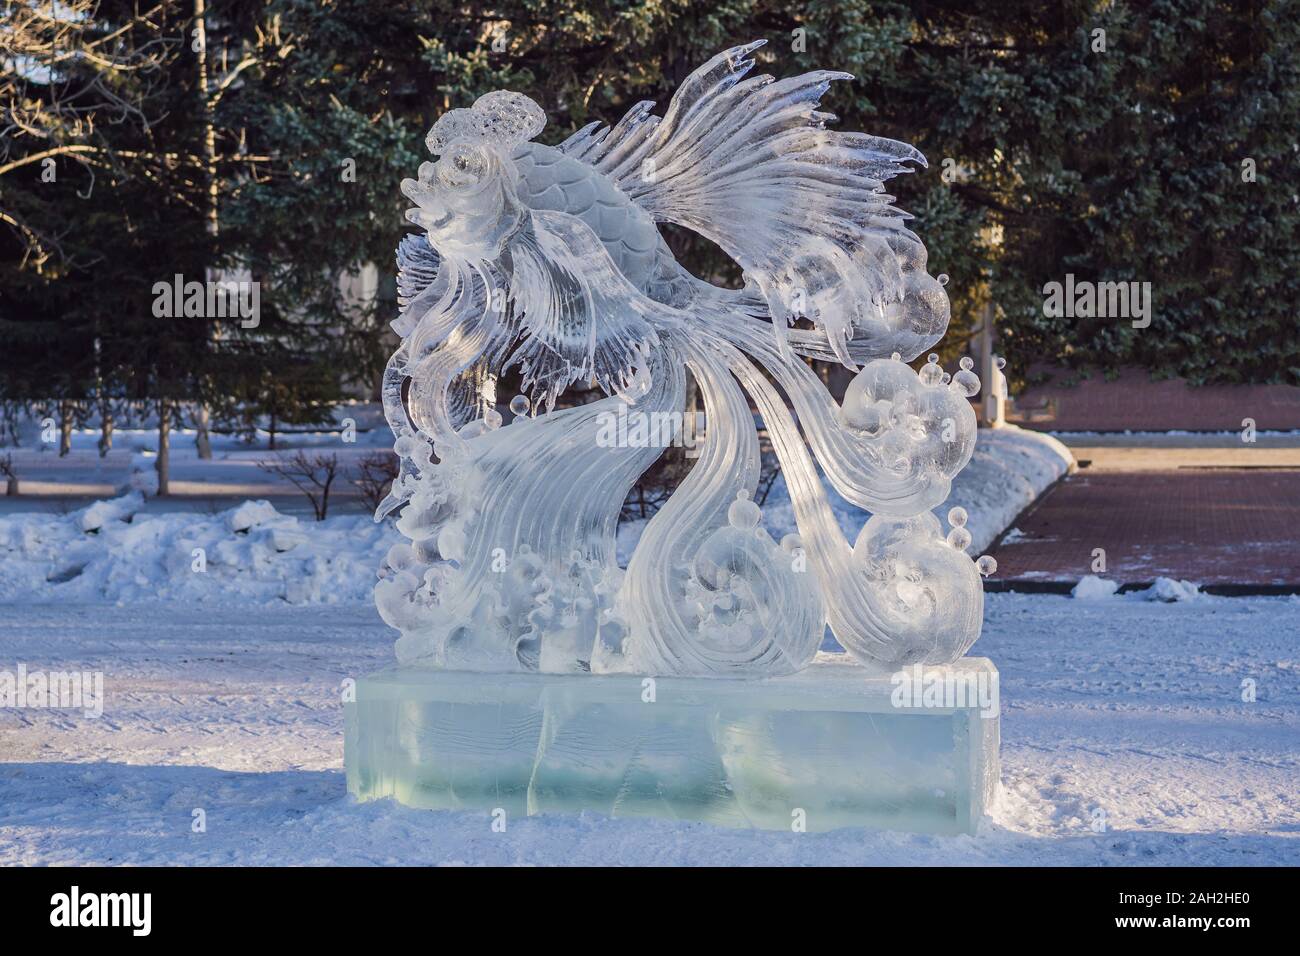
[826,747]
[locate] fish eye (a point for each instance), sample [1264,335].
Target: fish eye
[463,165]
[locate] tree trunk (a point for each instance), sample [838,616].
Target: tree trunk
[105,408]
[105,429]
[271,430]
[65,428]
[202,440]
[990,407]
[690,421]
[164,447]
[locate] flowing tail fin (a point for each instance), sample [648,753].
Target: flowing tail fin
[748,162]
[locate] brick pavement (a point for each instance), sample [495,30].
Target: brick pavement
[1211,526]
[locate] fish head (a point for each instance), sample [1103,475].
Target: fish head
[467,201]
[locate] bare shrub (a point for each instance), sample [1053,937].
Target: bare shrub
[313,475]
[376,473]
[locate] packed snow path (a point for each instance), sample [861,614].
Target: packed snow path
[1123,706]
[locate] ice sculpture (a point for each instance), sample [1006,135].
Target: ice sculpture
[549,259]
[509,596]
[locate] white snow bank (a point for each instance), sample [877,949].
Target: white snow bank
[250,514]
[1011,467]
[1167,590]
[1170,590]
[1093,588]
[252,554]
[95,516]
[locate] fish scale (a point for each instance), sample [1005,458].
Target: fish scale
[550,180]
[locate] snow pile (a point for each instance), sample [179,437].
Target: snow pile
[114,551]
[1166,590]
[1093,588]
[94,517]
[1169,590]
[1011,467]
[249,515]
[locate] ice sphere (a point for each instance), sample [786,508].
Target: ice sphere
[744,514]
[931,373]
[833,746]
[967,381]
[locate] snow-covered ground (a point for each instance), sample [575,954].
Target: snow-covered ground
[1129,707]
[222,691]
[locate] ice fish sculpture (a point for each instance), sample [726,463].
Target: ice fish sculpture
[548,259]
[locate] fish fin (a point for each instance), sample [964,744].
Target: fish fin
[417,267]
[610,148]
[579,318]
[748,163]
[581,143]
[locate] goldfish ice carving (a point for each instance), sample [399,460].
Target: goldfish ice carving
[549,259]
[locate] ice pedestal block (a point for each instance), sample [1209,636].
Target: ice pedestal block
[832,746]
